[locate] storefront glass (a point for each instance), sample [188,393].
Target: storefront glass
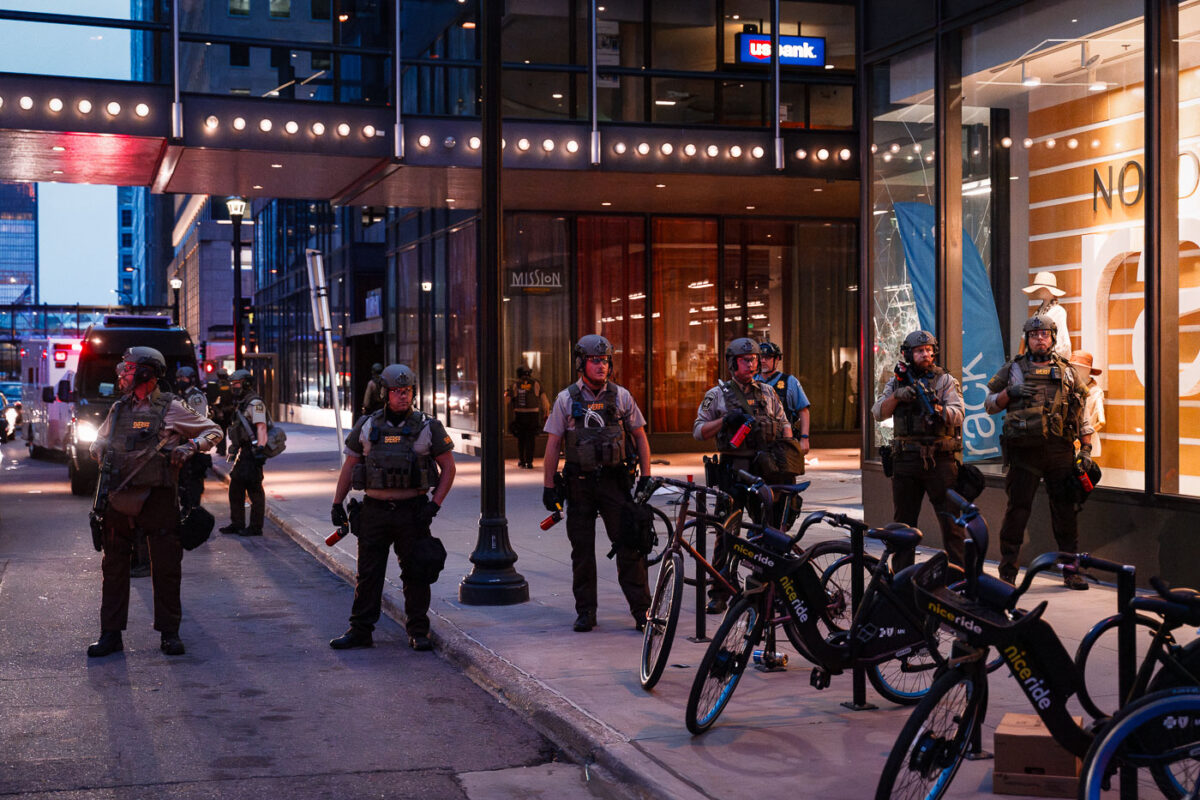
[1188,182]
[686,356]
[1062,84]
[902,213]
[463,328]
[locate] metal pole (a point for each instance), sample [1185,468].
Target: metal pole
[1126,664]
[237,290]
[493,581]
[398,146]
[776,137]
[176,105]
[318,295]
[593,84]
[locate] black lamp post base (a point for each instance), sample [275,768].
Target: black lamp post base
[486,587]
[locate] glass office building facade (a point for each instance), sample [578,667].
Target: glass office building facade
[1007,140]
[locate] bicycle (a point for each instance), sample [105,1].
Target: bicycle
[667,600]
[1159,732]
[887,627]
[983,612]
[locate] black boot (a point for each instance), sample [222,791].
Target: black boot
[171,644]
[585,622]
[231,528]
[352,638]
[108,643]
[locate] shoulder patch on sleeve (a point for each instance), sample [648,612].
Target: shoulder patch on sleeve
[708,401]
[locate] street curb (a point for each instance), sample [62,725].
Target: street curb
[614,765]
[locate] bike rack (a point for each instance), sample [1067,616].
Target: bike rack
[1126,662]
[701,575]
[858,698]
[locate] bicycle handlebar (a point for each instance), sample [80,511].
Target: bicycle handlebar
[1053,558]
[657,481]
[1185,597]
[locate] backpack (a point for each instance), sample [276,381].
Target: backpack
[276,441]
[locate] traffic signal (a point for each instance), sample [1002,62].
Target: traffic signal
[245,310]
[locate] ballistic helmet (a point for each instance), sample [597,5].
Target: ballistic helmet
[241,381]
[917,339]
[150,363]
[223,375]
[769,349]
[738,348]
[376,368]
[524,371]
[185,377]
[591,345]
[1040,322]
[398,376]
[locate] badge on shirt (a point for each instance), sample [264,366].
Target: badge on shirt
[137,424]
[392,439]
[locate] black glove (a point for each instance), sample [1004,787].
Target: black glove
[428,511]
[337,515]
[182,453]
[1023,390]
[642,483]
[550,499]
[905,394]
[734,420]
[260,455]
[1083,461]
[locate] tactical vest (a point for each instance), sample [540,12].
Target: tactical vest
[237,433]
[916,427]
[524,396]
[779,384]
[1050,412]
[766,430]
[591,448]
[134,434]
[391,462]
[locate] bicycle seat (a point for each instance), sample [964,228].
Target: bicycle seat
[1176,606]
[896,536]
[789,488]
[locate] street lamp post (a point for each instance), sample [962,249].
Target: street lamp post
[176,285]
[237,209]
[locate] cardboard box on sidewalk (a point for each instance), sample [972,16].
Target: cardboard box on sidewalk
[1030,762]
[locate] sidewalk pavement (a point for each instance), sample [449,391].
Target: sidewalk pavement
[581,689]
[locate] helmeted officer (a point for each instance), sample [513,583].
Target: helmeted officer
[396,455]
[247,435]
[191,474]
[149,434]
[221,404]
[741,401]
[1044,399]
[528,402]
[375,395]
[787,386]
[604,432]
[925,404]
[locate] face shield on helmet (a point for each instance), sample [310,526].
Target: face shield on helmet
[743,346]
[591,345]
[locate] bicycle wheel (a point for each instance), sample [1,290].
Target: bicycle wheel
[663,526]
[661,620]
[822,555]
[1158,733]
[905,679]
[723,664]
[835,579]
[935,738]
[1096,657]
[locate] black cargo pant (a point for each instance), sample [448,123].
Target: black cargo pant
[191,480]
[602,494]
[246,480]
[385,525]
[159,517]
[526,429]
[913,479]
[1054,462]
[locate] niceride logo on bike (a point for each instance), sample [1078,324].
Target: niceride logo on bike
[1033,685]
[957,620]
[753,555]
[793,598]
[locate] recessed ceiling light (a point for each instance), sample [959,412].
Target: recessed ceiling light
[474,142]
[277,166]
[264,125]
[844,154]
[291,126]
[689,149]
[801,154]
[369,131]
[643,148]
[343,129]
[55,104]
[667,148]
[84,106]
[256,186]
[822,154]
[142,110]
[572,146]
[239,124]
[548,145]
[606,203]
[318,128]
[660,186]
[712,151]
[619,148]
[113,108]
[522,144]
[757,151]
[211,122]
[557,96]
[26,103]
[58,172]
[735,152]
[58,148]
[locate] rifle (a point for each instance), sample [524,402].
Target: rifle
[905,378]
[100,501]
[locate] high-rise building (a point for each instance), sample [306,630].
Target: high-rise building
[18,243]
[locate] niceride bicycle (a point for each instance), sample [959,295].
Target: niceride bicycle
[982,610]
[667,600]
[886,628]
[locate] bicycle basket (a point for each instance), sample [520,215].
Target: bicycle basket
[981,623]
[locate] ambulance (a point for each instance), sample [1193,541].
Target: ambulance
[48,368]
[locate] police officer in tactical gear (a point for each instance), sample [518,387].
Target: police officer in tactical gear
[603,431]
[396,455]
[375,395]
[791,393]
[1044,399]
[149,434]
[926,406]
[528,402]
[221,404]
[247,435]
[726,408]
[191,474]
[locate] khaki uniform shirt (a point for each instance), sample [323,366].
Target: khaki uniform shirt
[560,420]
[713,405]
[180,421]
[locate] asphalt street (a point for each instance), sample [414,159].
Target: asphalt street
[259,706]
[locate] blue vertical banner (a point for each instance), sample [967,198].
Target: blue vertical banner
[983,347]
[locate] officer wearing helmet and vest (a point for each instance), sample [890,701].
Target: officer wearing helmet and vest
[726,408]
[247,435]
[926,407]
[603,431]
[528,402]
[221,404]
[791,393]
[375,395]
[148,434]
[1044,399]
[396,455]
[191,475]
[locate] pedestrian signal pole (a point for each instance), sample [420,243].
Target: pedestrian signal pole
[318,293]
